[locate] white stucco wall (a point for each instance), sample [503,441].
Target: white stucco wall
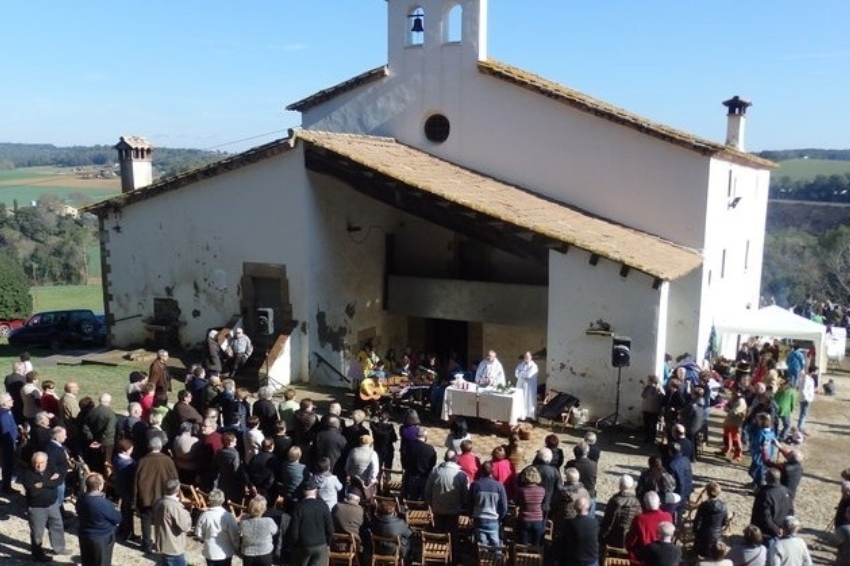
[190,245]
[731,281]
[579,363]
[528,139]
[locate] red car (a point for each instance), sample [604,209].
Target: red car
[8,325]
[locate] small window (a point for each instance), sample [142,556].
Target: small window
[453,25]
[729,185]
[723,265]
[747,256]
[437,128]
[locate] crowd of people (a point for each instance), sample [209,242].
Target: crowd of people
[294,477]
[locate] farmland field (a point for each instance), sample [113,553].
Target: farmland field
[29,184]
[798,169]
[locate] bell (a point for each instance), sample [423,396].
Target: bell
[417,25]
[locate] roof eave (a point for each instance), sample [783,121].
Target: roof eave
[338,89]
[175,182]
[617,115]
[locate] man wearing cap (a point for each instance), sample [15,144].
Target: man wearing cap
[348,515]
[311,528]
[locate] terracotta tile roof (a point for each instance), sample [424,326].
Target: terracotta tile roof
[618,115]
[175,182]
[510,204]
[336,90]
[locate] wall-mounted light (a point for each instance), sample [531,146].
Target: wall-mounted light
[734,202]
[351,228]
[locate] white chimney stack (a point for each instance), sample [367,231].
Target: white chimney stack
[735,121]
[135,159]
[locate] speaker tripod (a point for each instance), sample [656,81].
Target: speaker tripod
[614,418]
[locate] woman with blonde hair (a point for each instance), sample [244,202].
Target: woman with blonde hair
[218,531]
[257,534]
[363,467]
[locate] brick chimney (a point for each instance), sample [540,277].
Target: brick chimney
[134,158]
[735,121]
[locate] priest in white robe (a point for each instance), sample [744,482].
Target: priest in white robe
[526,381]
[490,371]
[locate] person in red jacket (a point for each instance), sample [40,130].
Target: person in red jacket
[644,528]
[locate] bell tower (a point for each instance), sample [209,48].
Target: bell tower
[425,29]
[135,161]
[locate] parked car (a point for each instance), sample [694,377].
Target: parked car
[7,325]
[59,329]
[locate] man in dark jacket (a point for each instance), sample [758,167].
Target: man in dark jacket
[8,442]
[619,512]
[329,443]
[790,471]
[40,483]
[771,506]
[260,471]
[57,459]
[680,468]
[98,519]
[99,434]
[662,552]
[228,469]
[578,544]
[14,383]
[587,471]
[311,528]
[265,410]
[152,473]
[417,461]
[712,516]
[550,477]
[184,412]
[304,423]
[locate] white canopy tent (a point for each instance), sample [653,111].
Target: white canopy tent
[772,321]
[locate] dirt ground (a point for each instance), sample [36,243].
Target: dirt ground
[826,452]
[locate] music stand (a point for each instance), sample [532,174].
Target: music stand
[614,418]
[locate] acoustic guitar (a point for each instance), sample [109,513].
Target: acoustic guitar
[371,389]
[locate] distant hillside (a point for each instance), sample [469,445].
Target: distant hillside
[166,161]
[811,153]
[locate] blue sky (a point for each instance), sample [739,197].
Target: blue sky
[207,74]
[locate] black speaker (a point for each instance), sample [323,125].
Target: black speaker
[621,352]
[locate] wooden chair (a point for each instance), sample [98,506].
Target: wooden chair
[616,556]
[236,509]
[436,548]
[343,550]
[549,533]
[386,550]
[390,482]
[418,514]
[190,495]
[526,555]
[489,555]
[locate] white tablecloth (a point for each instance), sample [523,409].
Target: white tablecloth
[483,403]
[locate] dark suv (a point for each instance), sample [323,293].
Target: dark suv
[58,329]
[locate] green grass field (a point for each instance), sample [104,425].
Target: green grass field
[67,297]
[798,169]
[31,183]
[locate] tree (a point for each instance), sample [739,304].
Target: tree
[835,260]
[791,271]
[15,298]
